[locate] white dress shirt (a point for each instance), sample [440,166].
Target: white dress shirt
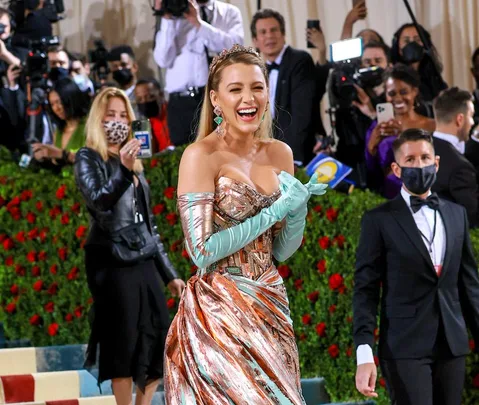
[424,219]
[180,46]
[460,146]
[273,81]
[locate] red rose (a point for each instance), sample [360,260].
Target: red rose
[174,246]
[340,239]
[169,192]
[324,242]
[52,290]
[298,284]
[53,329]
[332,309]
[20,270]
[73,274]
[62,253]
[15,201]
[8,244]
[15,213]
[349,351]
[61,192]
[39,206]
[171,218]
[35,320]
[332,214]
[153,163]
[49,307]
[158,209]
[43,234]
[9,261]
[68,317]
[32,256]
[35,271]
[184,253]
[11,308]
[76,208]
[342,289]
[333,351]
[382,382]
[38,285]
[284,271]
[31,217]
[78,311]
[321,266]
[53,269]
[14,289]
[321,329]
[2,237]
[306,319]
[318,209]
[313,296]
[42,256]
[171,303]
[26,195]
[55,211]
[376,360]
[472,345]
[33,234]
[80,232]
[20,237]
[65,219]
[335,281]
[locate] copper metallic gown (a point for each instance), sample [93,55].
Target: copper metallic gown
[232,340]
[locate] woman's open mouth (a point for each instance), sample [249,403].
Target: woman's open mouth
[247,114]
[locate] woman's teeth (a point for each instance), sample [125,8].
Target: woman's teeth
[247,112]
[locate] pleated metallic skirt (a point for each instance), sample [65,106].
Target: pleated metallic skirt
[232,342]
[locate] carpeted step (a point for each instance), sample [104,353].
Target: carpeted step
[105,400]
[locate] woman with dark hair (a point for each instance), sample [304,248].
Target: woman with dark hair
[69,107]
[402,89]
[408,48]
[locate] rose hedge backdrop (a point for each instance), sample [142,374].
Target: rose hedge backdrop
[44,295]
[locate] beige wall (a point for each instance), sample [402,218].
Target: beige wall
[454,25]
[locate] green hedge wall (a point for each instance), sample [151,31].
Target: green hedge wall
[44,295]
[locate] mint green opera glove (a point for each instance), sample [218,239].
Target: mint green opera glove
[206,247]
[291,235]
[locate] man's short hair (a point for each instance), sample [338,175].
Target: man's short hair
[154,82]
[116,52]
[75,56]
[475,55]
[411,135]
[267,13]
[451,102]
[4,11]
[384,47]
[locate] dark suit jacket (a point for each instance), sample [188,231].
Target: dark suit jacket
[392,254]
[456,179]
[295,101]
[472,153]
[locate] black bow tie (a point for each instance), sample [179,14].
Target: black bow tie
[432,202]
[272,66]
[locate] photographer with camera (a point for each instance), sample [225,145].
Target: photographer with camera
[59,61]
[80,72]
[185,43]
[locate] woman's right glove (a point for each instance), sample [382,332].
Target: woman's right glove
[206,247]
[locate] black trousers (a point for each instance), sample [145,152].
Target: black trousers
[434,380]
[184,117]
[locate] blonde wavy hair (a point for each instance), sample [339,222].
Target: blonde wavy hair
[207,115]
[95,134]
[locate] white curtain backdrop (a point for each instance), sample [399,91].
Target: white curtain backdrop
[454,25]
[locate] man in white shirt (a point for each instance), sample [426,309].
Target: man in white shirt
[457,179]
[184,47]
[416,249]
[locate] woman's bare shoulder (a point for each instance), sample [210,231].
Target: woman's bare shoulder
[279,154]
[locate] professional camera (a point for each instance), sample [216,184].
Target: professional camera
[36,66]
[99,59]
[174,7]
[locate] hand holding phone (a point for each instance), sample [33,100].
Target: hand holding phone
[385,112]
[142,131]
[312,25]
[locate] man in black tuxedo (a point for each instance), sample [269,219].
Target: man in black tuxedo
[457,178]
[417,249]
[292,85]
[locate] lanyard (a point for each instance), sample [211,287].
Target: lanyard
[430,242]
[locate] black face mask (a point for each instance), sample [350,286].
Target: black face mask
[123,76]
[149,109]
[418,180]
[412,52]
[57,74]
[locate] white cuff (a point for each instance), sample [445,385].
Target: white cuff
[364,354]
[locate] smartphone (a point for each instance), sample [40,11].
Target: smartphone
[346,50]
[385,112]
[142,131]
[312,24]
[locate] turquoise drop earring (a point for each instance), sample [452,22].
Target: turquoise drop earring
[218,120]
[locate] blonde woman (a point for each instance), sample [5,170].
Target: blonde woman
[130,318]
[232,340]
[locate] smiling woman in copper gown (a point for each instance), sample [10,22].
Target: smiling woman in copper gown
[232,340]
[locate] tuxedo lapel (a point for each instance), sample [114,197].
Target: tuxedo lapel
[449,229]
[403,216]
[283,69]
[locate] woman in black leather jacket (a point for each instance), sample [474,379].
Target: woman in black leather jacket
[131,318]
